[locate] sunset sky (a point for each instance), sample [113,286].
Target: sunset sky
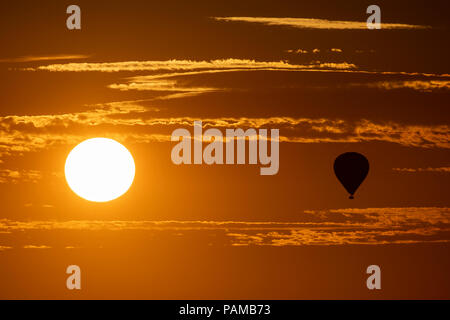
[138,70]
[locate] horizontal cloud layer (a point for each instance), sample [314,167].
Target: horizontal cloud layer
[174,68]
[178,65]
[373,226]
[135,123]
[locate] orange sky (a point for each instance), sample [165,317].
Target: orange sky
[137,70]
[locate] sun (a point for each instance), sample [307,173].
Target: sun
[99,169]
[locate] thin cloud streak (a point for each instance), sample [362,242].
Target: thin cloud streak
[36,247]
[311,23]
[417,85]
[429,169]
[45,58]
[161,85]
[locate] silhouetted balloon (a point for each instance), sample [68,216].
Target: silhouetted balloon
[351,169]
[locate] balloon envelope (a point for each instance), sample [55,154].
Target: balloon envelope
[351,169]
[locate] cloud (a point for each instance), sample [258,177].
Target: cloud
[128,121]
[407,135]
[120,120]
[28,205]
[185,94]
[36,247]
[160,82]
[175,68]
[15,176]
[166,83]
[299,51]
[163,85]
[325,238]
[46,58]
[173,65]
[418,85]
[426,86]
[429,169]
[302,51]
[369,226]
[100,114]
[307,23]
[385,73]
[19,134]
[336,65]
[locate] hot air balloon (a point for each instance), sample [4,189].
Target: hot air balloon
[351,168]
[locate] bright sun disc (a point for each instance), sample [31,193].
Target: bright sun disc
[99,169]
